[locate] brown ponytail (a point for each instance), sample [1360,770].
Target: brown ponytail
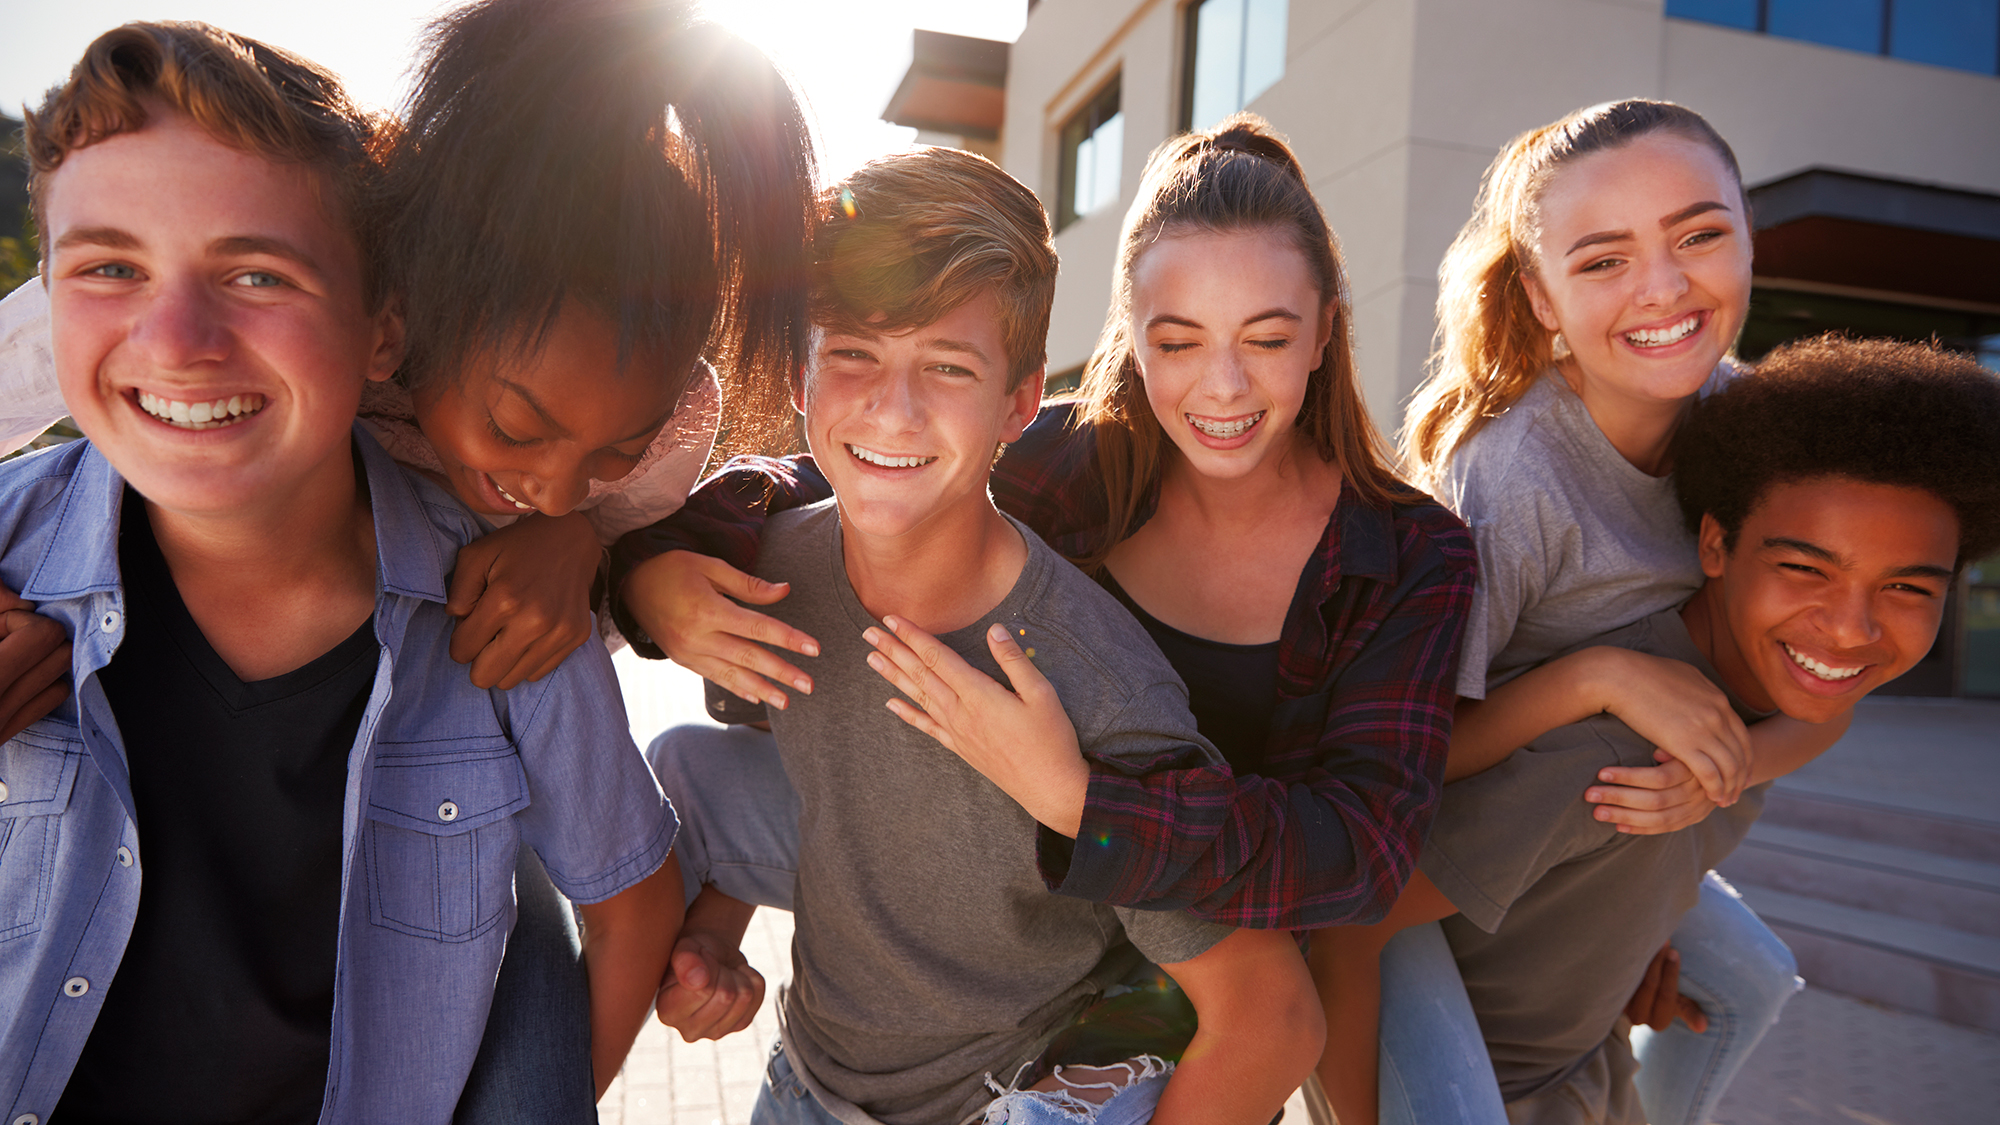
[1241,175]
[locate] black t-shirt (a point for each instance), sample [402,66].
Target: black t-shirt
[222,1007]
[1232,689]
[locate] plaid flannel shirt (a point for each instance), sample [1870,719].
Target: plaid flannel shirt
[1324,825]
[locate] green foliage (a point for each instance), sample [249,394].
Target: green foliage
[18,255]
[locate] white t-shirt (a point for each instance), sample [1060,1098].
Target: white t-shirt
[1573,539]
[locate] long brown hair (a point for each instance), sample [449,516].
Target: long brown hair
[1490,347]
[1240,175]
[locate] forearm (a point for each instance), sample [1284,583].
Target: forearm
[627,940]
[1781,744]
[1556,694]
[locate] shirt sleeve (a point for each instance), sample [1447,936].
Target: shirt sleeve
[1504,590]
[596,814]
[1499,831]
[30,398]
[1333,844]
[723,518]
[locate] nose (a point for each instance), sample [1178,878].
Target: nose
[1662,280]
[1848,617]
[556,489]
[894,406]
[180,326]
[1224,378]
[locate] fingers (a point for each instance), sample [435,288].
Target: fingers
[1639,1009]
[34,668]
[469,576]
[1692,1014]
[913,662]
[706,999]
[742,586]
[1018,663]
[35,708]
[9,600]
[1706,772]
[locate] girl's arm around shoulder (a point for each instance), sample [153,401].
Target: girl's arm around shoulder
[1328,827]
[627,940]
[1260,1033]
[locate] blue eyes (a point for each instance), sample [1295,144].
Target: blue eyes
[116,271]
[258,279]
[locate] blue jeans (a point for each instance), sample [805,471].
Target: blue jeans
[1434,1068]
[739,812]
[784,1100]
[1741,974]
[533,1066]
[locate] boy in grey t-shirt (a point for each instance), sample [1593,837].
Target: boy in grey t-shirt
[931,964]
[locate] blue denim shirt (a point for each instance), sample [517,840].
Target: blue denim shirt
[445,779]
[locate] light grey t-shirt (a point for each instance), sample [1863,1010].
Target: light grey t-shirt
[1573,539]
[928,953]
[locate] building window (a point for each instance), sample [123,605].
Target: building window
[1093,147]
[1235,51]
[1961,34]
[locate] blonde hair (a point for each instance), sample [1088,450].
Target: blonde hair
[1241,175]
[1490,347]
[910,237]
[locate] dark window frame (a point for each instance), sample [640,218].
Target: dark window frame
[1079,127]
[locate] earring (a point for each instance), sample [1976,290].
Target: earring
[1558,348]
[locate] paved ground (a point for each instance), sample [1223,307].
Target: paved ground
[1831,1059]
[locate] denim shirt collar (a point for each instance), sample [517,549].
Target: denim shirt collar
[412,556]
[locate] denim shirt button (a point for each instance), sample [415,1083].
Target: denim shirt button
[124,857]
[109,622]
[3,792]
[75,987]
[448,812]
[27,1119]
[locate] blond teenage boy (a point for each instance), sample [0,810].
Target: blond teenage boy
[259,866]
[932,967]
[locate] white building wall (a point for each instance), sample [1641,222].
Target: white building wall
[1397,106]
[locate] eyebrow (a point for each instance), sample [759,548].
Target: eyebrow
[1185,322]
[961,347]
[108,237]
[1814,550]
[549,420]
[262,244]
[1673,220]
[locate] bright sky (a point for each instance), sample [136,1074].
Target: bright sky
[845,58]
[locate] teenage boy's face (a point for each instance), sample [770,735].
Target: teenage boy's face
[905,424]
[1835,588]
[210,332]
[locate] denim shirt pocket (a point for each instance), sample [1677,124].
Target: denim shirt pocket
[440,841]
[38,769]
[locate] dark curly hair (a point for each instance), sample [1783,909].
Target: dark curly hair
[621,154]
[1909,415]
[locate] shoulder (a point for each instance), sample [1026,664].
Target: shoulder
[1501,466]
[794,535]
[1430,537]
[1092,648]
[34,489]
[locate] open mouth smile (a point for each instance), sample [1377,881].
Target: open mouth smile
[508,496]
[1224,429]
[209,415]
[1822,671]
[885,461]
[1665,337]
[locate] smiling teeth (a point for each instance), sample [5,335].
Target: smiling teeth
[1661,337]
[886,461]
[510,497]
[1224,429]
[1820,670]
[201,415]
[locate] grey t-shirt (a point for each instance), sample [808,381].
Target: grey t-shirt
[1561,912]
[928,953]
[1573,539]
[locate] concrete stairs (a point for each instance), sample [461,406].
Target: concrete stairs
[1885,882]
